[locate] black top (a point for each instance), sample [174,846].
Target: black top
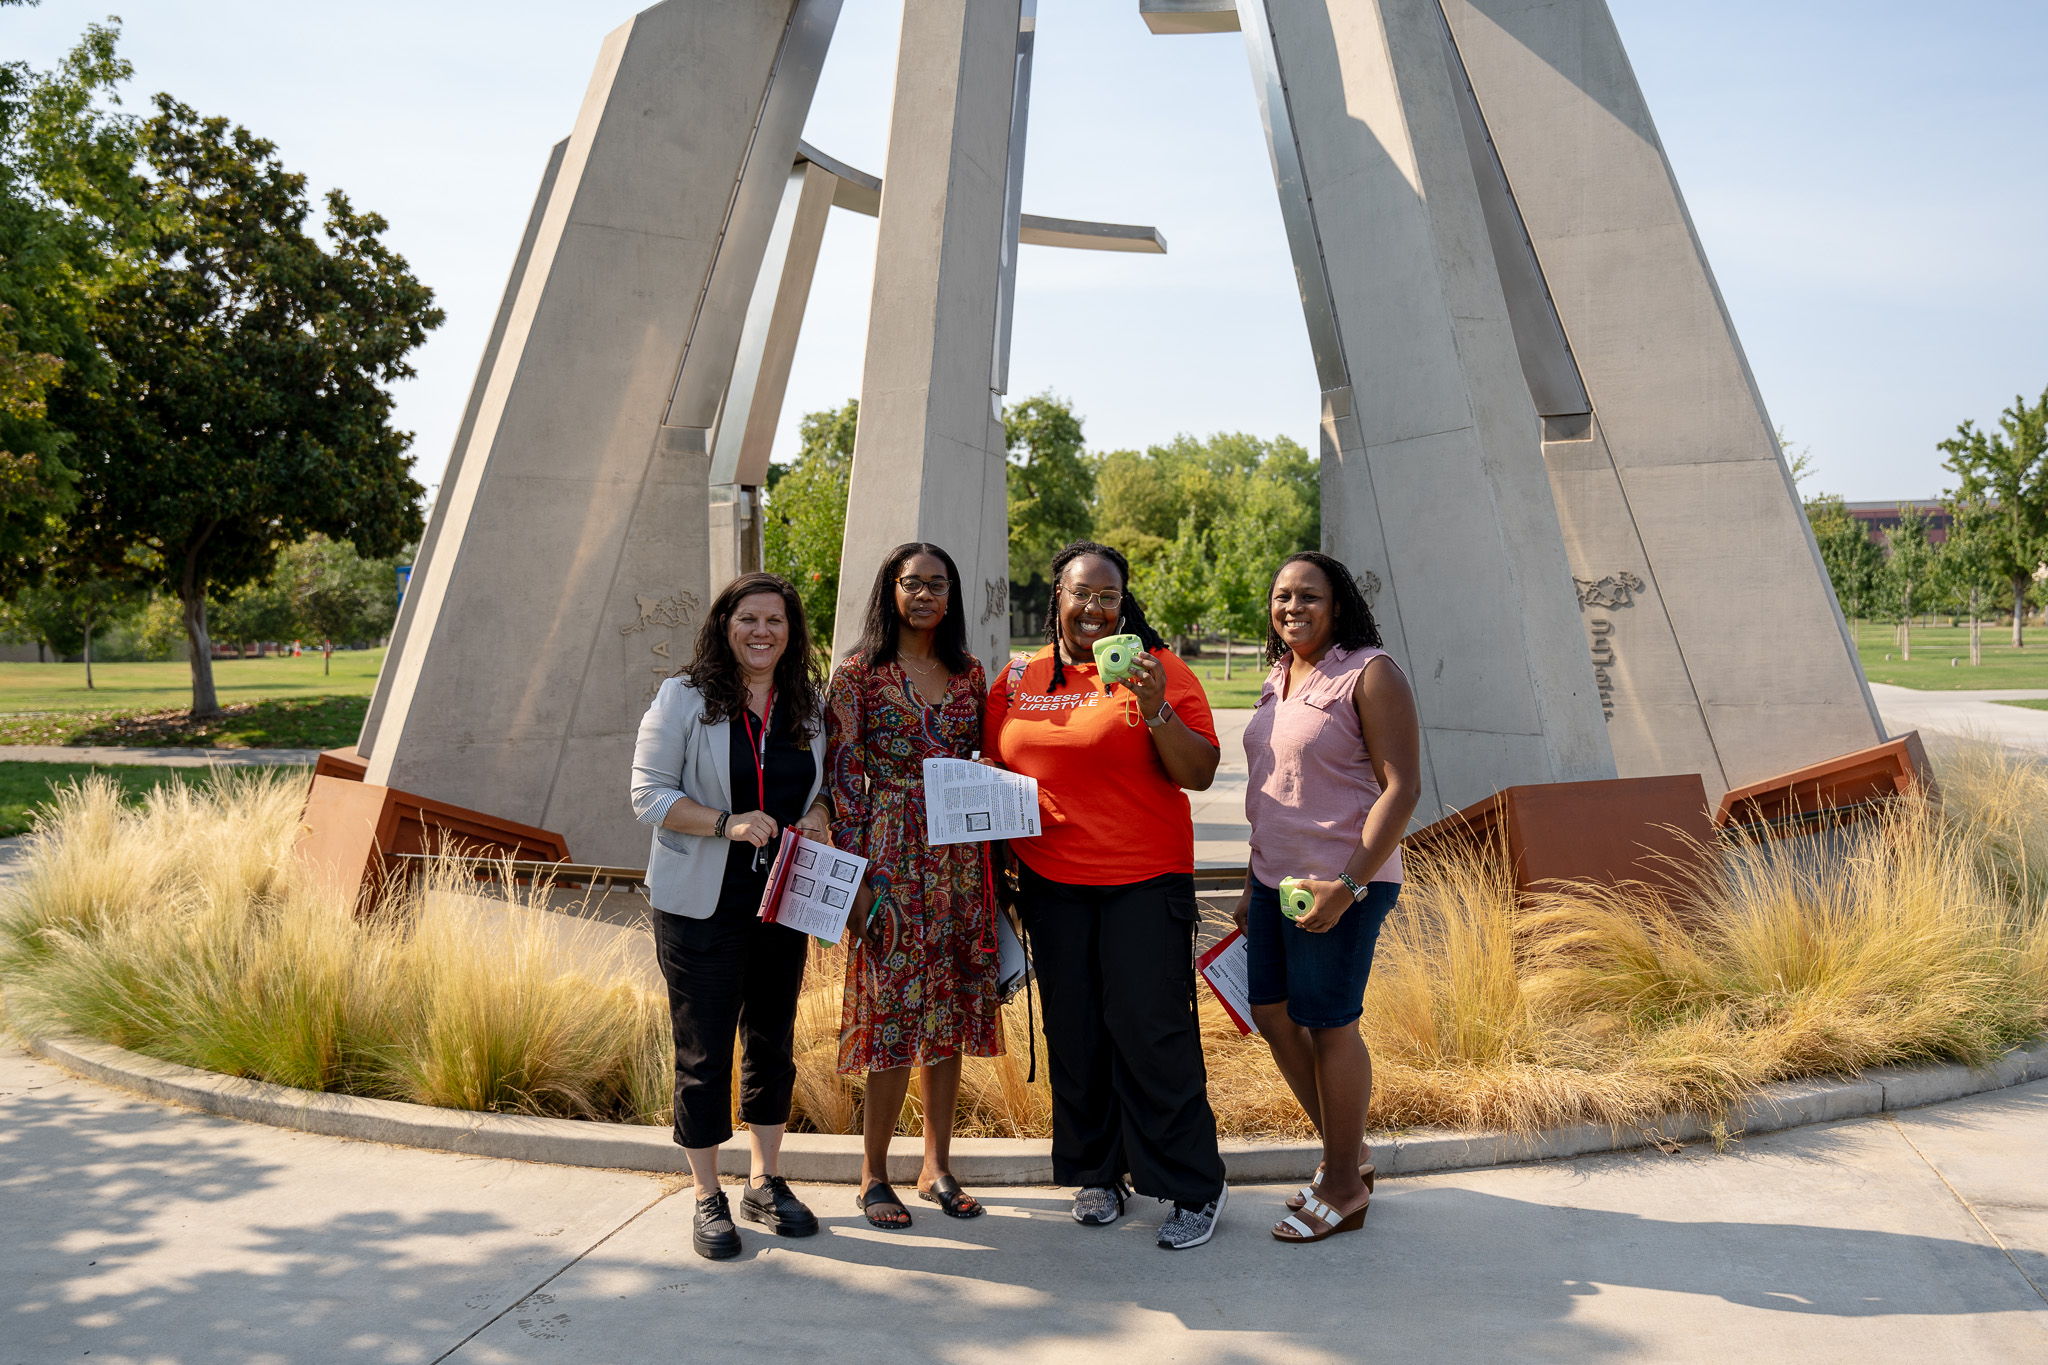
[790,770]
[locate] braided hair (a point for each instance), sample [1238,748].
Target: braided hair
[1133,622]
[1353,625]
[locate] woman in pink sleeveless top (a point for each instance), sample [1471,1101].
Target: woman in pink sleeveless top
[1334,751]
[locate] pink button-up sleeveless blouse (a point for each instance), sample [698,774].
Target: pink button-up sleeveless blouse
[1311,779]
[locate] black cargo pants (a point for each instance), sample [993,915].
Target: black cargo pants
[1129,1090]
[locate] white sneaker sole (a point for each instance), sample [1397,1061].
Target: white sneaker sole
[1115,1213]
[1221,1199]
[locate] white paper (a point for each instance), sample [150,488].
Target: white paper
[1227,968]
[971,803]
[819,891]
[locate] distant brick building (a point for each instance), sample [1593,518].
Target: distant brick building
[1880,517]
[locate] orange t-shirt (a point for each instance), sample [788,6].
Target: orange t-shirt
[1111,814]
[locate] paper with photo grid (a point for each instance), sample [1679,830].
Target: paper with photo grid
[812,887]
[970,803]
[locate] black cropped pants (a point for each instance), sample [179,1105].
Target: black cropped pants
[730,972]
[1115,969]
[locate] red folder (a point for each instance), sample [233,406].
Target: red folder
[778,875]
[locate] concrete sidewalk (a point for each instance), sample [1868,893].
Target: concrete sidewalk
[140,1233]
[1974,715]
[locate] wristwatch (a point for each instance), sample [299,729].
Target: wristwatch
[1357,891]
[1165,715]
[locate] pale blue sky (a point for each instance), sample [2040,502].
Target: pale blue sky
[1866,177]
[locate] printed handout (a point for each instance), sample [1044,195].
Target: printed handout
[971,803]
[811,887]
[1227,969]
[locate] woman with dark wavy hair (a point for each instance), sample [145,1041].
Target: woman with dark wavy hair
[1334,751]
[921,972]
[731,751]
[1107,895]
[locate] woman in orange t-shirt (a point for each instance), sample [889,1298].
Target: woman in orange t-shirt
[1107,896]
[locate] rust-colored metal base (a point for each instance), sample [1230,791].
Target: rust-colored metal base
[355,833]
[1652,830]
[1845,788]
[344,763]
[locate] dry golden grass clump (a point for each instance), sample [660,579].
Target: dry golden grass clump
[181,929]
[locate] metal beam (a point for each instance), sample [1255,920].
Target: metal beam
[1189,16]
[859,192]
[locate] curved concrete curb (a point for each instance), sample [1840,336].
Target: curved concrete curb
[985,1161]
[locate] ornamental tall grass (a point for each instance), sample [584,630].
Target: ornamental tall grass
[180,928]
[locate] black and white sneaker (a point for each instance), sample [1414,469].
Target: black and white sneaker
[1098,1206]
[712,1232]
[1192,1227]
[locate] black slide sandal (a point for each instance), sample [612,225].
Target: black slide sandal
[947,1194]
[880,1193]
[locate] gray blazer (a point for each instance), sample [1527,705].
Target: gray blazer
[678,754]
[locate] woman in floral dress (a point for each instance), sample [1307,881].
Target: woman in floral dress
[921,963]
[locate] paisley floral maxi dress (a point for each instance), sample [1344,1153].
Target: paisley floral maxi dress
[928,992]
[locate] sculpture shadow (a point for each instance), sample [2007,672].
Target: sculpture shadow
[100,1199]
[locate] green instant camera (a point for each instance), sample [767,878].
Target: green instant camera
[1296,899]
[1116,657]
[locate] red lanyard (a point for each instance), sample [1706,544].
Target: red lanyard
[760,755]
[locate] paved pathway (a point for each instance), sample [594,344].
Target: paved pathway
[154,757]
[1975,714]
[141,1233]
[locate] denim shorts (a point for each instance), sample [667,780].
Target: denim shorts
[1320,976]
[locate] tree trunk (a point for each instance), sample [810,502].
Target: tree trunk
[326,657]
[1226,656]
[88,655]
[205,702]
[1906,622]
[2019,610]
[1976,633]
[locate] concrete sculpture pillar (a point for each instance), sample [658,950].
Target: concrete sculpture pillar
[1720,645]
[745,434]
[569,563]
[930,460]
[1433,481]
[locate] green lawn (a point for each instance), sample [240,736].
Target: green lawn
[267,703]
[1935,646]
[26,786]
[2030,705]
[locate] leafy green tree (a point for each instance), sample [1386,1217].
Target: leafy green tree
[1210,520]
[1051,494]
[244,405]
[254,614]
[806,506]
[66,617]
[1910,576]
[1853,560]
[66,197]
[337,594]
[1175,583]
[2000,501]
[1052,483]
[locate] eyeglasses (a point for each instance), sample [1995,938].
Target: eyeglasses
[1109,599]
[937,587]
